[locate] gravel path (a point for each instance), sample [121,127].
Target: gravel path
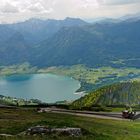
[101,115]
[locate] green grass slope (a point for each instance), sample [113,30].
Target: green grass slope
[126,93]
[16,121]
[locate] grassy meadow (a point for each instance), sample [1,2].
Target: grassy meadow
[15,121]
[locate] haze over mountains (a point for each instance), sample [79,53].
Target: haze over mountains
[71,41]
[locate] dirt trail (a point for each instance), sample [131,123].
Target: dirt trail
[101,115]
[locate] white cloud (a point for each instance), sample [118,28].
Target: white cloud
[20,6]
[38,7]
[8,8]
[120,2]
[89,3]
[15,10]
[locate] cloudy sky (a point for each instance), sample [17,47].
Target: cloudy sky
[19,10]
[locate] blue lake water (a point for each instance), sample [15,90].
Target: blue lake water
[45,87]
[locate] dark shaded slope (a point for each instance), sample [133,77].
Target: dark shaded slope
[70,46]
[70,42]
[14,50]
[92,45]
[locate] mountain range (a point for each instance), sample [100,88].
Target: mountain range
[71,41]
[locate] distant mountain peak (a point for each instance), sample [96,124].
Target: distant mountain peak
[70,18]
[34,20]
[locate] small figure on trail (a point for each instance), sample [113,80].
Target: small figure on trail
[128,113]
[17,104]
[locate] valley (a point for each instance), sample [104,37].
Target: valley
[91,80]
[69,70]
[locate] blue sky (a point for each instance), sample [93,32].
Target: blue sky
[18,10]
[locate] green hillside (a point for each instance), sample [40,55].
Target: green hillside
[16,121]
[126,93]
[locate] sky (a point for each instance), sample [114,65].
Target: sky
[20,10]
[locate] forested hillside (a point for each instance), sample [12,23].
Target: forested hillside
[92,45]
[70,42]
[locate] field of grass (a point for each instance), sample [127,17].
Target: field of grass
[15,121]
[24,68]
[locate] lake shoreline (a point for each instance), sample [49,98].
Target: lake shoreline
[18,80]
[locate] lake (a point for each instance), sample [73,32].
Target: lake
[45,87]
